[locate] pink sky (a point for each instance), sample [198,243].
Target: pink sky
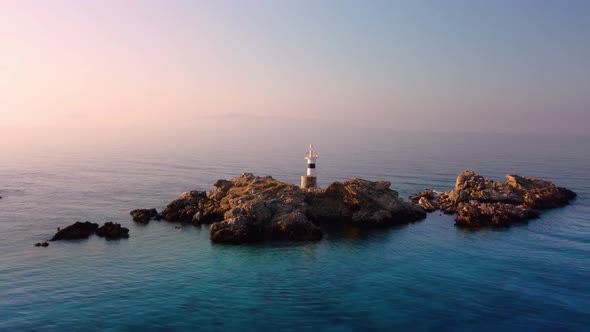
[177,64]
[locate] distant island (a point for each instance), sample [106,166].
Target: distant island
[251,208]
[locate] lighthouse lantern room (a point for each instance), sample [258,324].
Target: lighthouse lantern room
[309,181]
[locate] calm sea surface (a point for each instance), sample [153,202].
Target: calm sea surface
[429,275]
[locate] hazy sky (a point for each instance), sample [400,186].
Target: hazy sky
[469,65]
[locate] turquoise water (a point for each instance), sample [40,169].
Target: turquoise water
[423,276]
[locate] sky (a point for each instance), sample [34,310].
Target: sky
[450,66]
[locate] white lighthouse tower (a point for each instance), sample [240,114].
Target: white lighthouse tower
[310,180]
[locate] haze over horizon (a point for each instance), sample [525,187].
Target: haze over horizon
[457,66]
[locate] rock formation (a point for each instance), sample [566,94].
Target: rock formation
[144,216]
[426,199]
[251,208]
[361,202]
[79,230]
[484,202]
[111,230]
[477,214]
[83,230]
[194,207]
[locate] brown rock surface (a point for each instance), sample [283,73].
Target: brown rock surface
[426,199]
[251,208]
[477,214]
[484,202]
[361,202]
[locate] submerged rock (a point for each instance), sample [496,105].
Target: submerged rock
[111,230]
[144,216]
[483,202]
[251,208]
[78,230]
[44,244]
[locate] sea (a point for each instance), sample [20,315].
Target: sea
[425,276]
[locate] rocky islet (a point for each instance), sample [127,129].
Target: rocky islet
[253,208]
[480,202]
[83,230]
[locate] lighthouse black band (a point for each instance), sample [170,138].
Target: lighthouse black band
[310,165]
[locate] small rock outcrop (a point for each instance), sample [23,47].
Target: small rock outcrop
[483,202]
[83,230]
[78,230]
[112,230]
[194,207]
[426,199]
[252,208]
[144,216]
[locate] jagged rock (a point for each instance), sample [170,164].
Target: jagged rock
[111,230]
[484,202]
[259,209]
[429,194]
[361,202]
[144,215]
[293,227]
[78,230]
[186,206]
[477,214]
[427,205]
[534,193]
[426,200]
[538,193]
[252,208]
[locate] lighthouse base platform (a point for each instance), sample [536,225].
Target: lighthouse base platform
[309,182]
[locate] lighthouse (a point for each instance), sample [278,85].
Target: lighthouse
[310,180]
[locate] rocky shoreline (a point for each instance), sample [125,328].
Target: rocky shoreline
[480,202]
[251,208]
